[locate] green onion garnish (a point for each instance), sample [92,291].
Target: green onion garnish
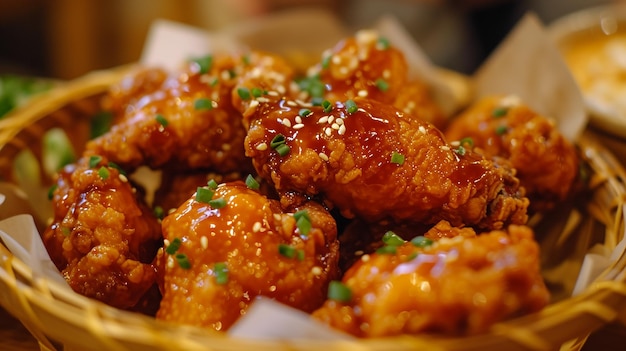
[499,112]
[317,101]
[382,85]
[94,161]
[382,44]
[217,203]
[327,106]
[204,195]
[287,250]
[116,166]
[183,261]
[51,191]
[245,59]
[460,150]
[279,139]
[351,106]
[337,291]
[212,184]
[421,241]
[387,250]
[221,273]
[244,93]
[203,104]
[467,141]
[500,130]
[173,246]
[103,172]
[204,63]
[411,257]
[256,92]
[304,112]
[159,212]
[283,149]
[251,183]
[303,222]
[162,121]
[397,158]
[391,238]
[326,61]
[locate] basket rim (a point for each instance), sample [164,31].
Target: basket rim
[41,294]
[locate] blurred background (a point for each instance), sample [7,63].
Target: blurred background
[68,38]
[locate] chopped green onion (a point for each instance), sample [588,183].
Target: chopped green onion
[173,246]
[499,112]
[94,161]
[382,85]
[469,141]
[203,104]
[500,130]
[304,112]
[303,223]
[326,61]
[460,150]
[204,63]
[312,85]
[218,203]
[327,106]
[421,241]
[51,191]
[387,250]
[100,124]
[279,139]
[204,195]
[183,261]
[244,93]
[302,214]
[317,101]
[391,238]
[351,106]
[245,59]
[162,121]
[411,257]
[382,44]
[397,158]
[283,149]
[116,166]
[221,273]
[251,183]
[287,250]
[212,184]
[300,255]
[232,74]
[337,291]
[256,92]
[159,212]
[103,172]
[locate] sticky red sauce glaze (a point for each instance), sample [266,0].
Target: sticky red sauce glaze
[245,235]
[351,166]
[456,286]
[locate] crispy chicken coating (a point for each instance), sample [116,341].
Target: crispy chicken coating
[461,285]
[547,164]
[182,120]
[368,160]
[248,246]
[103,238]
[367,65]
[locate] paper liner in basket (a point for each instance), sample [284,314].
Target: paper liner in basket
[526,64]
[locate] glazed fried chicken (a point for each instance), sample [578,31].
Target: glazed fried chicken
[367,65]
[459,285]
[229,244]
[547,164]
[103,238]
[183,120]
[369,161]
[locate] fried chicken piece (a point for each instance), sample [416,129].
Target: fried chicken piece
[461,285]
[103,238]
[367,65]
[181,120]
[249,247]
[547,163]
[368,160]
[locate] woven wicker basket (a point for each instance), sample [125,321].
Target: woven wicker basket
[61,320]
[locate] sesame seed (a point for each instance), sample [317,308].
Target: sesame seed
[358,252]
[342,129]
[422,129]
[331,119]
[166,242]
[226,147]
[261,147]
[254,103]
[298,126]
[362,93]
[445,147]
[386,74]
[336,59]
[170,262]
[335,126]
[171,210]
[339,121]
[123,178]
[272,93]
[292,103]
[316,270]
[323,156]
[343,70]
[323,119]
[262,99]
[455,143]
[281,89]
[204,242]
[365,258]
[303,103]
[277,217]
[328,131]
[225,75]
[256,227]
[298,119]
[286,122]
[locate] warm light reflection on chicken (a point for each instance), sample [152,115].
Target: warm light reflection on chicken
[458,285]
